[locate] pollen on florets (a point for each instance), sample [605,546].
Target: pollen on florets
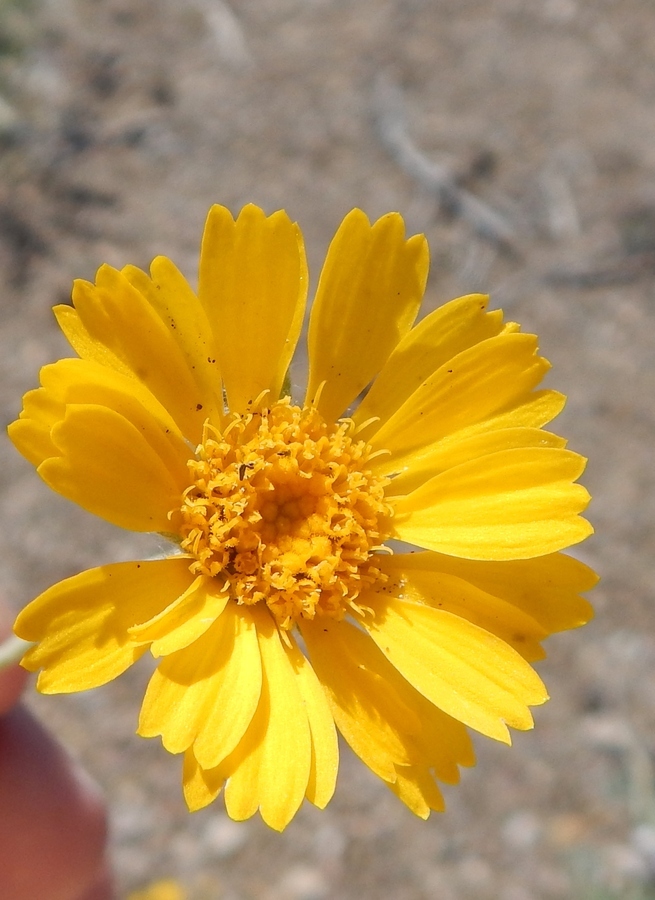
[283,508]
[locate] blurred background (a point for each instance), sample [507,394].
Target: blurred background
[520,137]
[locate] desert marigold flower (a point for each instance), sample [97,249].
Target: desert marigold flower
[160,890]
[279,617]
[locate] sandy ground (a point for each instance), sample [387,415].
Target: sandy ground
[120,122]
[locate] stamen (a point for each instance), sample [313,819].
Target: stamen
[365,424]
[317,396]
[383,452]
[285,510]
[258,399]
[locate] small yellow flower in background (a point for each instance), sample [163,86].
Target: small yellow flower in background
[281,615]
[160,890]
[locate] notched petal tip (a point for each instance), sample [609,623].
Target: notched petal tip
[252,286]
[369,292]
[462,669]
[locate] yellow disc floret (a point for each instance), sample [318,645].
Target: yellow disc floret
[283,508]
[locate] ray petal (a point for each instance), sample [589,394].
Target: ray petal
[513,504]
[443,743]
[415,786]
[546,588]
[458,449]
[236,691]
[367,708]
[207,693]
[368,296]
[114,324]
[184,621]
[442,590]
[463,670]
[201,787]
[31,433]
[272,770]
[81,625]
[170,295]
[380,714]
[107,466]
[474,387]
[253,287]
[325,748]
[449,330]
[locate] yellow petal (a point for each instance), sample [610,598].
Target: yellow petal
[200,787]
[208,692]
[383,718]
[185,620]
[164,889]
[108,468]
[514,504]
[30,434]
[83,343]
[87,381]
[114,324]
[444,333]
[253,287]
[465,671]
[82,624]
[169,293]
[547,588]
[368,296]
[531,410]
[455,450]
[325,748]
[415,786]
[443,743]
[236,688]
[271,771]
[371,715]
[78,381]
[424,582]
[476,385]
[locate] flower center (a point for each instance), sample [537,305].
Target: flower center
[284,509]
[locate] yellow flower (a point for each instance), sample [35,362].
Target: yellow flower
[279,615]
[160,890]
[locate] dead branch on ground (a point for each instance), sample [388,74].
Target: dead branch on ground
[432,176]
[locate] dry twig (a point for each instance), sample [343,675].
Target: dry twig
[432,176]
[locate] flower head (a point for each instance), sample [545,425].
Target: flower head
[282,615]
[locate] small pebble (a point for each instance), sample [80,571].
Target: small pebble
[522,830]
[223,837]
[303,883]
